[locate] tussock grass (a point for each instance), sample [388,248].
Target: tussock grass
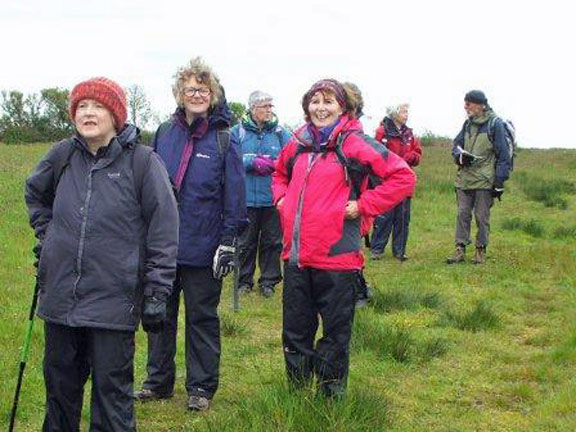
[546,191]
[276,407]
[393,343]
[231,325]
[567,232]
[481,317]
[531,227]
[404,299]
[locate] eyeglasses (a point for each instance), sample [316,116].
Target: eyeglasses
[268,106]
[191,91]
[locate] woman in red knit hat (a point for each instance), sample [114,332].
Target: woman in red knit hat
[103,211]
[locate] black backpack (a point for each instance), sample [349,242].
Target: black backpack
[354,174]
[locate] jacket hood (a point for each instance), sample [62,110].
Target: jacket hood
[392,131]
[488,114]
[345,125]
[129,135]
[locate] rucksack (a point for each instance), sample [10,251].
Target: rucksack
[354,174]
[64,149]
[510,132]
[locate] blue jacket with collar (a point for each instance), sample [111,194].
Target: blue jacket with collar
[267,141]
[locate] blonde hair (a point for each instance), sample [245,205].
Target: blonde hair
[203,73]
[354,99]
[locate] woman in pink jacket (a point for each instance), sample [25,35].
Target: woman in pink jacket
[320,191]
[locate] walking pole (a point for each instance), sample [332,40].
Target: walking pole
[235,292]
[24,355]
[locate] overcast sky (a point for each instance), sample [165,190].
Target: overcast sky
[428,53]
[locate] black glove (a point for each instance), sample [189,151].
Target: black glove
[154,314]
[37,252]
[497,192]
[223,261]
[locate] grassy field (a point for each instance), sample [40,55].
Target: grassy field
[442,348]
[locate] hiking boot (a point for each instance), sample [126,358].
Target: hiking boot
[267,291]
[198,403]
[146,395]
[458,256]
[244,289]
[479,255]
[375,256]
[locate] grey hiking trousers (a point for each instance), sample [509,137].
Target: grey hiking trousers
[480,202]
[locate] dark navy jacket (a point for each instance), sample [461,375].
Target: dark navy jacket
[104,242]
[211,198]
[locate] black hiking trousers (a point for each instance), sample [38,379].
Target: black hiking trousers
[201,298]
[263,239]
[309,294]
[396,222]
[71,355]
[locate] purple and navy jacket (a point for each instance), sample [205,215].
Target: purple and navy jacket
[209,187]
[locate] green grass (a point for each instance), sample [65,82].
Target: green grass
[442,348]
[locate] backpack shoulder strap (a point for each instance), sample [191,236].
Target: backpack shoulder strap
[223,138]
[241,132]
[62,152]
[161,131]
[140,160]
[491,124]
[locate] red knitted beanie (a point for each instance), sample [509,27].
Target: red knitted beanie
[105,91]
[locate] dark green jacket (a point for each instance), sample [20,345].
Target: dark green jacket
[492,166]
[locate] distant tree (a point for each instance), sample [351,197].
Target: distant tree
[55,107]
[238,110]
[13,108]
[139,108]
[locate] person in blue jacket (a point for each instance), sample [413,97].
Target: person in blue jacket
[262,139]
[205,168]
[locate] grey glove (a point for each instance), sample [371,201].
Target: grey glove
[223,261]
[154,314]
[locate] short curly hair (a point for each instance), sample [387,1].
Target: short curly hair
[203,73]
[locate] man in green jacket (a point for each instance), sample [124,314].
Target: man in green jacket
[483,157]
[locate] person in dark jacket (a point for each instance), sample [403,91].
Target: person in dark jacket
[484,162]
[107,256]
[399,139]
[262,139]
[205,167]
[321,213]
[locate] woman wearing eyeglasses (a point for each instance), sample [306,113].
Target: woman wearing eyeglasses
[206,171]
